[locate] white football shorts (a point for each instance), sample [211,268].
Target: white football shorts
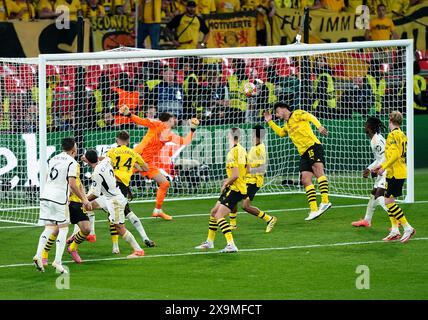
[54,213]
[380,181]
[115,207]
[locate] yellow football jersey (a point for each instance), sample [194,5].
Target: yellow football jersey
[395,155]
[124,159]
[256,158]
[299,129]
[73,197]
[237,158]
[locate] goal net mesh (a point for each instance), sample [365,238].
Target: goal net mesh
[341,87]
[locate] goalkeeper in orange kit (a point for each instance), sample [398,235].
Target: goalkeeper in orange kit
[159,133]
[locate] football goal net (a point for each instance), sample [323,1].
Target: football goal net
[57,95]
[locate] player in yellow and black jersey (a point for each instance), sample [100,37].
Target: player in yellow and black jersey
[234,189]
[78,217]
[256,169]
[396,174]
[298,127]
[124,159]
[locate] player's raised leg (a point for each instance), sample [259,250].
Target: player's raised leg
[270,220]
[92,237]
[163,185]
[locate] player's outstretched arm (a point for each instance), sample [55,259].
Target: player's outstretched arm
[124,110]
[277,129]
[188,138]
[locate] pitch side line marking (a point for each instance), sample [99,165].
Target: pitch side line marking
[239,212]
[217,252]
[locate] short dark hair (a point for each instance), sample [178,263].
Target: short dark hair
[236,133]
[91,156]
[381,5]
[68,143]
[281,105]
[165,116]
[123,135]
[259,130]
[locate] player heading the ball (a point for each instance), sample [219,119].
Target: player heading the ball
[297,126]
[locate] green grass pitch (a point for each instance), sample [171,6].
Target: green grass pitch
[298,260]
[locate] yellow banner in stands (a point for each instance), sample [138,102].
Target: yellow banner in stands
[110,32]
[328,26]
[232,29]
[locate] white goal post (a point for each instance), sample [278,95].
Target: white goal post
[326,79]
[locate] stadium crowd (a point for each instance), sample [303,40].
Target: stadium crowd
[213,91]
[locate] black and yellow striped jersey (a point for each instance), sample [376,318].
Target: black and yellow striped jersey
[237,158]
[395,155]
[299,129]
[123,160]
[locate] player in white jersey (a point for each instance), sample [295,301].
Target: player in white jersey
[106,194]
[373,127]
[61,177]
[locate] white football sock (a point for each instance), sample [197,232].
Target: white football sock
[91,217]
[370,209]
[138,225]
[60,244]
[128,237]
[157,210]
[43,239]
[381,202]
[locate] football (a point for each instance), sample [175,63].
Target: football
[250,89]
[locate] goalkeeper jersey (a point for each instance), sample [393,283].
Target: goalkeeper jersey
[395,154]
[123,160]
[256,158]
[299,129]
[73,197]
[237,158]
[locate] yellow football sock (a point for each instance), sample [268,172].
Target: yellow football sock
[397,213]
[263,215]
[312,197]
[232,218]
[323,186]
[225,228]
[114,234]
[212,229]
[78,239]
[48,246]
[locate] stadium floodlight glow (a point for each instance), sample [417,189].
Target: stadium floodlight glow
[29,139]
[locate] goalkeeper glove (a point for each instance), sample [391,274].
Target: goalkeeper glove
[194,123]
[124,110]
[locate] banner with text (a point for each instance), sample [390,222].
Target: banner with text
[232,29]
[20,39]
[110,32]
[328,26]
